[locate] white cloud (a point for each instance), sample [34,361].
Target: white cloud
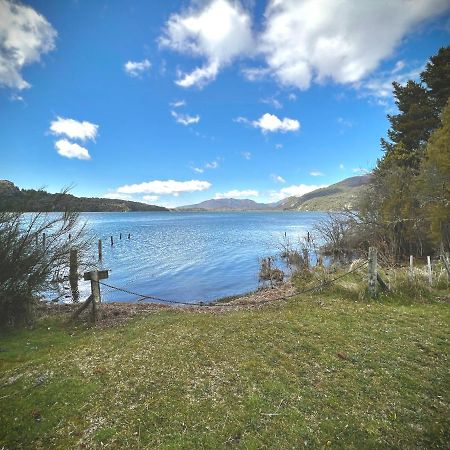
[16,98]
[277,178]
[178,103]
[247,155]
[272,101]
[185,119]
[150,198]
[116,196]
[342,41]
[74,129]
[341,166]
[380,86]
[292,97]
[164,187]
[255,73]
[212,165]
[71,150]
[270,123]
[296,190]
[137,68]
[25,35]
[278,146]
[316,173]
[218,32]
[237,194]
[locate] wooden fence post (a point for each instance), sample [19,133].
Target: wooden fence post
[94,276]
[447,267]
[73,274]
[129,235]
[43,240]
[120,236]
[430,275]
[112,241]
[372,272]
[411,267]
[100,251]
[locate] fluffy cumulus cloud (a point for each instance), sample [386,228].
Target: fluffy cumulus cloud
[71,150]
[136,68]
[164,187]
[74,129]
[25,35]
[235,193]
[217,32]
[270,123]
[301,41]
[316,40]
[296,190]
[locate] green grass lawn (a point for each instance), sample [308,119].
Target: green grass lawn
[313,372]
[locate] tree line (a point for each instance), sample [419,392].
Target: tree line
[407,207]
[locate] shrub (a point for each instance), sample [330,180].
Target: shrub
[28,260]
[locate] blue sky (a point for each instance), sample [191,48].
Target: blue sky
[175,102]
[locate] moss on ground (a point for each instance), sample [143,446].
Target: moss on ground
[314,371]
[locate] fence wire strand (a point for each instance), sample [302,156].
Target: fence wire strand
[142,297]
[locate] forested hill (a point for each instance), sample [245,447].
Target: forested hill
[14,199]
[336,197]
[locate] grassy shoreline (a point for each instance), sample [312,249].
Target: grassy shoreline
[320,370]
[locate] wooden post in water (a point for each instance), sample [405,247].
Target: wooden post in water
[372,272]
[430,274]
[112,241]
[100,250]
[73,274]
[129,236]
[411,267]
[120,236]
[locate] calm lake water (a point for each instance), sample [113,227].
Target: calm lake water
[189,256]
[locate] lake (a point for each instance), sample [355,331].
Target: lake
[189,256]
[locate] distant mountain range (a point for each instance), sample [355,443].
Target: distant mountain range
[335,197]
[227,204]
[14,199]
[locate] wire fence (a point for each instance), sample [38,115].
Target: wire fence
[142,297]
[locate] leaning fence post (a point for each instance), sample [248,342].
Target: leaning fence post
[372,271]
[100,251]
[430,274]
[73,273]
[411,266]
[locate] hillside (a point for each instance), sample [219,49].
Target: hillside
[14,199]
[335,197]
[227,204]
